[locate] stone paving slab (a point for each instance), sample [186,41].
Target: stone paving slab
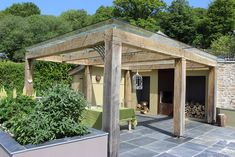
[153,138]
[160,146]
[142,141]
[177,140]
[183,151]
[165,155]
[139,152]
[124,147]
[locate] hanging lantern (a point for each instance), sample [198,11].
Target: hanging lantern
[137,81]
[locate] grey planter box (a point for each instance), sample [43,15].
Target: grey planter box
[91,145]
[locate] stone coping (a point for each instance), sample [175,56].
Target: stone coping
[228,109]
[226,61]
[13,147]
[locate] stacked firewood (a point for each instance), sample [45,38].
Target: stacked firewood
[143,107]
[195,110]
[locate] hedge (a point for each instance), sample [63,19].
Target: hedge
[46,74]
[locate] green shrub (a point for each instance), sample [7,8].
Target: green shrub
[12,75]
[14,108]
[58,114]
[45,75]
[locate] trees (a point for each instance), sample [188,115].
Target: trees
[17,33]
[2,14]
[200,19]
[14,36]
[102,13]
[21,26]
[224,46]
[43,27]
[142,13]
[178,21]
[23,9]
[221,19]
[76,18]
[137,9]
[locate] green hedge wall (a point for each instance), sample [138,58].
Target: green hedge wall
[45,75]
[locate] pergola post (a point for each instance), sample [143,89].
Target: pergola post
[127,89]
[28,78]
[111,94]
[88,84]
[179,96]
[211,107]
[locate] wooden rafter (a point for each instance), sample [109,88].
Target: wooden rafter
[69,45]
[153,45]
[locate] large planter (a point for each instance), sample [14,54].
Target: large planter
[91,145]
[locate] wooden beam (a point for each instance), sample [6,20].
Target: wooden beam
[128,89]
[111,94]
[133,58]
[67,45]
[165,64]
[211,106]
[179,96]
[88,84]
[57,59]
[28,78]
[91,53]
[60,59]
[150,44]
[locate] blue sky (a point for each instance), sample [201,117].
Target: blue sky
[55,7]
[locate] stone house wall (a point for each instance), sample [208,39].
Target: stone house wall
[226,85]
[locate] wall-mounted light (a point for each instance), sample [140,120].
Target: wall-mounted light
[97,78]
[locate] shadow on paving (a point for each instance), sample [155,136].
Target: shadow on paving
[153,137]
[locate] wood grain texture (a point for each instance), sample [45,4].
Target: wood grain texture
[88,84]
[111,94]
[152,45]
[67,46]
[211,106]
[179,97]
[28,79]
[127,89]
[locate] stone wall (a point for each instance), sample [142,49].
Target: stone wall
[226,85]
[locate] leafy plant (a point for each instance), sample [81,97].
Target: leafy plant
[14,108]
[45,75]
[58,114]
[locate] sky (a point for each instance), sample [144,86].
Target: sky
[56,7]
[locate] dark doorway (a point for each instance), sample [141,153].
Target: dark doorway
[195,97]
[165,91]
[196,89]
[144,94]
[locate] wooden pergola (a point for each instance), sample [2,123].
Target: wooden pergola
[116,45]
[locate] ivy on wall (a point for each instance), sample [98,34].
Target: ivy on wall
[45,75]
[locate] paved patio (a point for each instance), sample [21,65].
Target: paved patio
[153,138]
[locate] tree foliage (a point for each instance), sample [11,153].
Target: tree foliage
[14,36]
[142,13]
[224,46]
[16,33]
[221,19]
[178,22]
[20,27]
[137,9]
[76,18]
[42,27]
[23,9]
[102,13]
